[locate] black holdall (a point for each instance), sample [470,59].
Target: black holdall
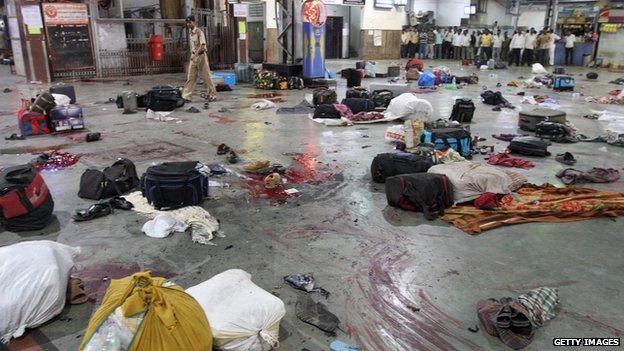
[382,97]
[358,92]
[463,111]
[173,185]
[389,164]
[164,98]
[115,180]
[493,98]
[324,96]
[529,146]
[553,131]
[420,192]
[357,105]
[326,111]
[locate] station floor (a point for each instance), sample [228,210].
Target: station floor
[397,281]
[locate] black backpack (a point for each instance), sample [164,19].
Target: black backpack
[172,185]
[353,76]
[429,193]
[358,92]
[164,98]
[295,83]
[326,111]
[115,180]
[493,98]
[357,105]
[592,75]
[382,98]
[529,146]
[463,111]
[388,164]
[324,96]
[551,130]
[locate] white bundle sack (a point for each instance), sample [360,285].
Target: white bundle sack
[33,284]
[61,100]
[537,68]
[242,315]
[408,106]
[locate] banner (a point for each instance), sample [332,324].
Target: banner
[55,14]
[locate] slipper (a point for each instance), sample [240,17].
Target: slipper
[223,149]
[206,105]
[121,203]
[15,136]
[566,158]
[75,291]
[251,167]
[94,211]
[232,157]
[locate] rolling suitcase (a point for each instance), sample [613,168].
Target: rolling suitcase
[463,111]
[529,146]
[32,122]
[563,83]
[528,120]
[456,138]
[43,103]
[64,89]
[359,105]
[64,118]
[394,71]
[174,184]
[389,164]
[429,193]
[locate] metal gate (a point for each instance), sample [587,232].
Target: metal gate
[220,30]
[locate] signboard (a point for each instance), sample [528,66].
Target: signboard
[353,2]
[241,10]
[384,4]
[31,14]
[332,2]
[56,14]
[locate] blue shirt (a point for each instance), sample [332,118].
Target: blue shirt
[439,38]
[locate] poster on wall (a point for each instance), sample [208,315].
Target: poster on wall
[57,14]
[384,4]
[241,10]
[354,2]
[31,14]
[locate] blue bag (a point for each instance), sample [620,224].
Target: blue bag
[427,80]
[456,138]
[173,185]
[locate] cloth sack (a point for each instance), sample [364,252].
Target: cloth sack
[263,105]
[242,315]
[61,100]
[409,106]
[537,68]
[163,225]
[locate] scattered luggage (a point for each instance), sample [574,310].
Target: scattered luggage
[357,92]
[552,131]
[242,316]
[25,200]
[353,76]
[391,164]
[500,65]
[529,146]
[528,120]
[227,77]
[472,79]
[412,74]
[463,111]
[295,83]
[592,75]
[491,63]
[141,312]
[408,106]
[32,122]
[172,185]
[326,111]
[43,103]
[559,70]
[563,83]
[414,63]
[64,89]
[394,71]
[359,105]
[480,62]
[128,100]
[118,179]
[421,192]
[456,138]
[64,118]
[396,88]
[493,98]
[370,69]
[265,79]
[281,83]
[382,98]
[360,64]
[220,87]
[164,98]
[324,96]
[427,80]
[244,72]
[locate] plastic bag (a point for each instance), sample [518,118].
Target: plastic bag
[34,278]
[537,68]
[61,100]
[242,315]
[413,130]
[427,79]
[395,133]
[370,70]
[409,106]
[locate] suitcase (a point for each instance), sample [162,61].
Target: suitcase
[64,89]
[394,71]
[25,200]
[552,131]
[326,111]
[164,98]
[563,83]
[388,165]
[456,138]
[324,96]
[412,74]
[358,92]
[529,146]
[357,105]
[244,72]
[32,122]
[64,118]
[528,120]
[382,98]
[43,103]
[396,88]
[174,184]
[463,111]
[353,76]
[128,100]
[420,192]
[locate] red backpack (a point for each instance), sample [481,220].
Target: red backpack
[414,63]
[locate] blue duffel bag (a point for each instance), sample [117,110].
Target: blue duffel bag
[172,185]
[456,138]
[427,80]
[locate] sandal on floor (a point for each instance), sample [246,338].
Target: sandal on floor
[94,211]
[75,292]
[566,158]
[15,136]
[120,203]
[232,157]
[223,149]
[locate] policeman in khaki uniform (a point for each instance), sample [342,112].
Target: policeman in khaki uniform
[198,63]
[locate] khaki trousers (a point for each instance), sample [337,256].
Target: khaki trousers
[198,64]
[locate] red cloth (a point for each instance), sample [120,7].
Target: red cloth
[503,159]
[487,201]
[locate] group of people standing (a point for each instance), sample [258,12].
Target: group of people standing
[523,48]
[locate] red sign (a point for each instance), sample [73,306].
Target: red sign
[55,14]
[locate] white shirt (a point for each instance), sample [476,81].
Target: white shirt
[517,41]
[569,41]
[529,41]
[456,39]
[497,41]
[553,38]
[466,40]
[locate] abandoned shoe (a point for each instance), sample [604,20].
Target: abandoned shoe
[76,292]
[232,157]
[94,211]
[193,109]
[251,167]
[120,203]
[15,137]
[566,158]
[272,180]
[223,149]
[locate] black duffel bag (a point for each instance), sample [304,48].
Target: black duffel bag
[429,193]
[552,131]
[493,98]
[172,185]
[358,92]
[463,111]
[115,180]
[324,96]
[326,111]
[389,164]
[357,105]
[529,146]
[164,98]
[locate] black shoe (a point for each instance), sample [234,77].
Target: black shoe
[223,149]
[566,158]
[120,203]
[15,137]
[232,157]
[93,137]
[94,211]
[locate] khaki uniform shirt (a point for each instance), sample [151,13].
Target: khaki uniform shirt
[414,38]
[197,40]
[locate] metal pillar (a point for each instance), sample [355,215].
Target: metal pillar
[285,17]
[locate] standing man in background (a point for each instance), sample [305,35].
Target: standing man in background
[422,43]
[439,39]
[530,41]
[465,45]
[405,38]
[413,43]
[505,48]
[198,63]
[497,45]
[516,45]
[544,47]
[456,43]
[448,44]
[431,40]
[554,37]
[486,44]
[473,45]
[569,48]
